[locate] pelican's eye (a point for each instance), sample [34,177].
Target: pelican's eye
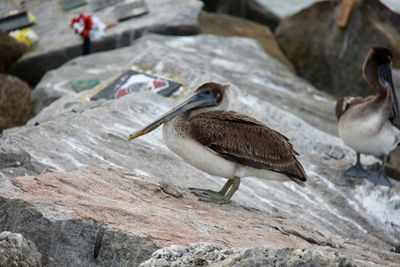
[218,97]
[207,92]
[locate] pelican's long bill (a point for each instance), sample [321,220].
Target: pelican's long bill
[385,75]
[201,99]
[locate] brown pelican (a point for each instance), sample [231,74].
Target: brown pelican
[225,143]
[370,125]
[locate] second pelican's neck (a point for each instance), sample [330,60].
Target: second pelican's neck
[381,100]
[382,92]
[371,75]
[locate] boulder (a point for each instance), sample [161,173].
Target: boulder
[74,133]
[16,107]
[108,216]
[249,9]
[62,235]
[16,250]
[58,43]
[239,60]
[10,50]
[225,25]
[331,57]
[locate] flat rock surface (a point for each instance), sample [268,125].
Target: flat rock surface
[130,205]
[58,43]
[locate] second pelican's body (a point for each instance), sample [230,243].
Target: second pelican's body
[225,143]
[370,125]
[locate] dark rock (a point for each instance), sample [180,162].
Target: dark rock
[330,57]
[15,161]
[16,107]
[10,50]
[248,9]
[16,250]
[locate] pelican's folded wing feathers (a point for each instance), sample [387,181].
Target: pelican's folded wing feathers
[246,141]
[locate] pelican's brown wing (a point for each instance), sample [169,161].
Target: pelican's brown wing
[246,141]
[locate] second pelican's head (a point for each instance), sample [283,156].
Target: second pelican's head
[209,96]
[377,70]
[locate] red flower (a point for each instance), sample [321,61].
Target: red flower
[86,24]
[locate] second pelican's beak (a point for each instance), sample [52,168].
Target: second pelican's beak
[385,75]
[201,99]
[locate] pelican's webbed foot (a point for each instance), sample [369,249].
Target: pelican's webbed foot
[223,196]
[380,178]
[210,196]
[357,171]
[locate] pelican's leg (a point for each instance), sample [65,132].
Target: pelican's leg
[226,186]
[233,189]
[380,177]
[220,197]
[357,170]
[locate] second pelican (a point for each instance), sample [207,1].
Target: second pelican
[370,125]
[225,143]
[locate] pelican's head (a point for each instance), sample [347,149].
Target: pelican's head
[377,70]
[208,96]
[377,66]
[218,92]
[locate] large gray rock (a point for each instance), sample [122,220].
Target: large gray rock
[66,236]
[107,216]
[238,60]
[330,57]
[58,43]
[69,135]
[15,250]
